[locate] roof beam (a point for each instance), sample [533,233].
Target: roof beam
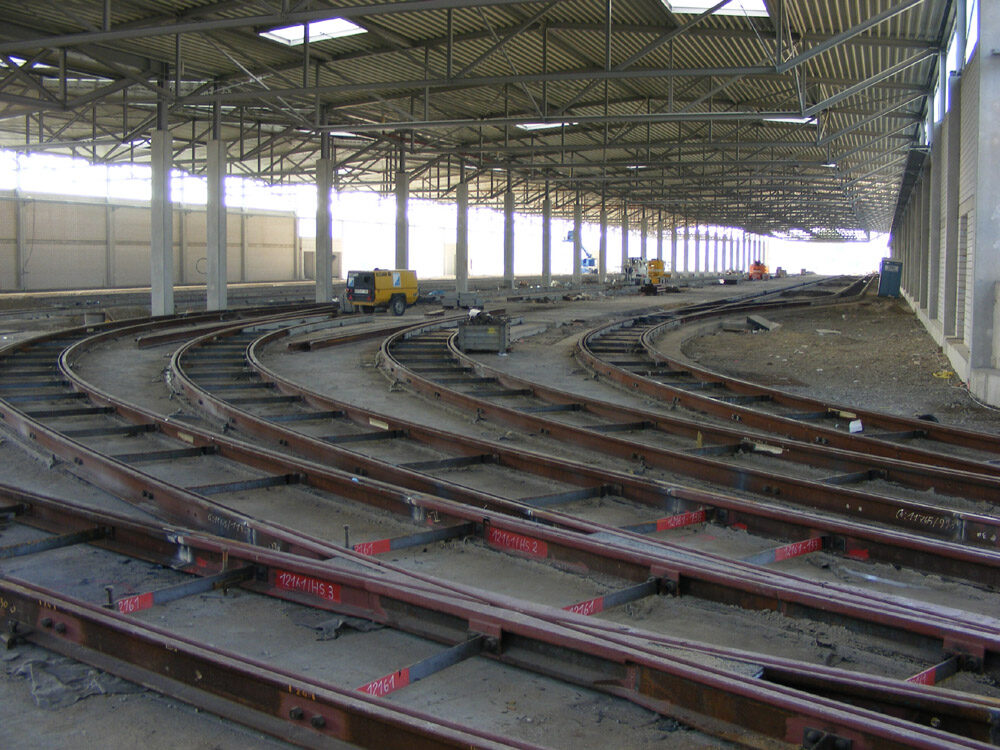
[268,19]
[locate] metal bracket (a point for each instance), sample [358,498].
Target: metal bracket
[818,739]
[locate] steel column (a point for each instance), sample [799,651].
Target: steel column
[577,242]
[161,255]
[215,226]
[546,240]
[462,237]
[508,238]
[324,230]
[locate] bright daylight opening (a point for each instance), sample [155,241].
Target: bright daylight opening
[332,28]
[364,221]
[543,125]
[733,8]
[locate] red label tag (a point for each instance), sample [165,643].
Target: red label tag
[307,585]
[924,678]
[131,604]
[374,548]
[517,542]
[388,684]
[798,548]
[682,519]
[589,607]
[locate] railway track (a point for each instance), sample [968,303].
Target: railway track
[626,354]
[636,567]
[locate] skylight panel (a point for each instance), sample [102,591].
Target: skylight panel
[332,28]
[733,8]
[543,125]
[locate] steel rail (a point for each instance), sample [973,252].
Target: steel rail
[758,590]
[289,706]
[511,640]
[845,537]
[527,530]
[797,428]
[752,586]
[964,527]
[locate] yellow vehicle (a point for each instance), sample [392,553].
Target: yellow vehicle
[656,272]
[393,290]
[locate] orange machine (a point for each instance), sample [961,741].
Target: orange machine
[758,271]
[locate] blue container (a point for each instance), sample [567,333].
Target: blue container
[890,275]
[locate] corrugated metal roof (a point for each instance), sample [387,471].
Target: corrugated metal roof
[667,113]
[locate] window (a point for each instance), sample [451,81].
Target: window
[733,8]
[319,31]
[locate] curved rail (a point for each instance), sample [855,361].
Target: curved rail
[650,373]
[957,525]
[845,537]
[197,436]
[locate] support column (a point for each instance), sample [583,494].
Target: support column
[643,230]
[697,249]
[687,246]
[952,131]
[673,246]
[546,240]
[402,217]
[324,225]
[215,226]
[577,243]
[934,215]
[659,236]
[624,237]
[20,241]
[716,241]
[984,336]
[925,240]
[161,249]
[109,248]
[602,252]
[508,238]
[462,238]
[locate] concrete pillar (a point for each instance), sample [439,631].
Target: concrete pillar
[984,333]
[925,241]
[952,132]
[508,239]
[716,241]
[697,249]
[687,246]
[324,230]
[161,249]
[20,240]
[643,231]
[462,238]
[244,245]
[577,243]
[546,241]
[625,229]
[673,246]
[109,247]
[659,236]
[216,250]
[934,229]
[181,239]
[602,252]
[402,219]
